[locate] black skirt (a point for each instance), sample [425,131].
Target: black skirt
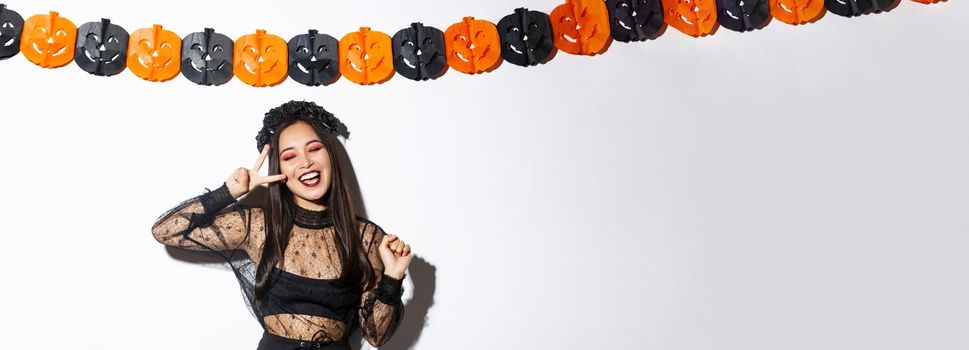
[271,341]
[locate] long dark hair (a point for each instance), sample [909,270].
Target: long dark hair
[339,201]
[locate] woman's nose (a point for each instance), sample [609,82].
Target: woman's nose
[306,163]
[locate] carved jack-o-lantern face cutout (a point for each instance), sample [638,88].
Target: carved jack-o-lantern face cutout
[419,52]
[261,59]
[635,20]
[314,59]
[366,57]
[207,58]
[743,15]
[11,26]
[102,48]
[852,8]
[154,53]
[473,46]
[526,37]
[692,17]
[48,40]
[796,11]
[581,27]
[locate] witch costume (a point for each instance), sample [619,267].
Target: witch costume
[304,306]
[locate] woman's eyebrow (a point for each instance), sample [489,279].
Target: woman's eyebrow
[307,144]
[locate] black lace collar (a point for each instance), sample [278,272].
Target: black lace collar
[312,218]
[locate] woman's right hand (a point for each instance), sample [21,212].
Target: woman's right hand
[244,180]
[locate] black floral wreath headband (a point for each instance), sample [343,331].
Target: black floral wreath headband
[302,110]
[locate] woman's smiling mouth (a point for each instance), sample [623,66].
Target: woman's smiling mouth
[310,179]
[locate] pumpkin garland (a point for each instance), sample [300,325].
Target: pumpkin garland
[48,40]
[102,48]
[314,58]
[472,46]
[526,37]
[692,17]
[742,16]
[11,25]
[154,54]
[635,20]
[260,59]
[581,27]
[366,57]
[207,57]
[418,52]
[797,11]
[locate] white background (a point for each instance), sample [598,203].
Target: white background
[798,187]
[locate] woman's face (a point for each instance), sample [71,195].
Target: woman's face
[306,163]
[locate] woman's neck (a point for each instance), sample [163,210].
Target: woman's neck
[312,215]
[310,205]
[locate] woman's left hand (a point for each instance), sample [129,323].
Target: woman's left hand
[395,254]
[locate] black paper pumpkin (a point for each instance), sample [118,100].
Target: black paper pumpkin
[207,58]
[11,26]
[314,58]
[419,52]
[635,20]
[102,48]
[526,37]
[743,15]
[852,8]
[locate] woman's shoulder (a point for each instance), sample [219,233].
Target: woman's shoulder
[368,228]
[366,223]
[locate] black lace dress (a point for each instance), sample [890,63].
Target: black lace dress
[302,309]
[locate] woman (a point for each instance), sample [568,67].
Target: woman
[310,268]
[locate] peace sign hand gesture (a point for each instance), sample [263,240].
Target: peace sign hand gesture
[244,180]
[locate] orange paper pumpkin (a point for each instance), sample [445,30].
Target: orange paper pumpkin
[260,59]
[366,57]
[692,17]
[796,11]
[154,54]
[473,46]
[48,40]
[581,27]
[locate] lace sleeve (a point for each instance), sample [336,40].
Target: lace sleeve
[199,223]
[381,308]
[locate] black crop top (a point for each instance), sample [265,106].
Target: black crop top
[302,301]
[294,294]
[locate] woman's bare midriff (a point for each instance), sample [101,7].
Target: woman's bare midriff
[304,327]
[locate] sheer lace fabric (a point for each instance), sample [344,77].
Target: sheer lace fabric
[210,222]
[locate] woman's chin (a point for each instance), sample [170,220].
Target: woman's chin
[310,195]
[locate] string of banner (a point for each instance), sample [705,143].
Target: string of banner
[525,38]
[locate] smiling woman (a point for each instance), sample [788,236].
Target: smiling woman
[310,268]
